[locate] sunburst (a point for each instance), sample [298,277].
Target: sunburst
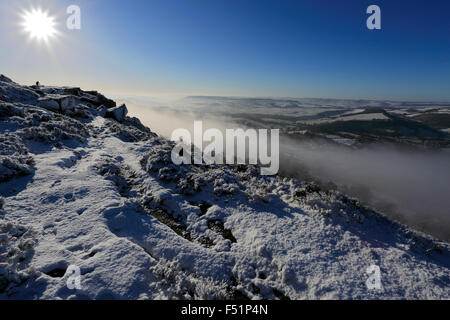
[39,25]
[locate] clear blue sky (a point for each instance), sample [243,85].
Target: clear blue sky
[302,48]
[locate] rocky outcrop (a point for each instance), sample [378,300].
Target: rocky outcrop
[5,79]
[12,92]
[118,113]
[102,100]
[59,103]
[52,115]
[49,104]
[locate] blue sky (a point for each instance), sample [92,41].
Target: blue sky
[284,48]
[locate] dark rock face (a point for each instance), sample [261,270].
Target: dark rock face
[118,113]
[108,103]
[73,91]
[5,79]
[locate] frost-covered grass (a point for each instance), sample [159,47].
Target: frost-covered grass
[16,251]
[174,283]
[14,157]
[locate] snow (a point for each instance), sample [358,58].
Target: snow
[81,189]
[351,117]
[364,117]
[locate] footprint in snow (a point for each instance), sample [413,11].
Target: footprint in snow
[69,197]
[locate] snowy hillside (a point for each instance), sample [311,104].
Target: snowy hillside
[82,184]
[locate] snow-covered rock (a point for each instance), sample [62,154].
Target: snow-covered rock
[10,110]
[119,113]
[5,79]
[16,251]
[49,104]
[68,103]
[102,100]
[12,92]
[59,103]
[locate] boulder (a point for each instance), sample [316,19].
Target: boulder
[73,91]
[49,104]
[102,111]
[118,113]
[108,103]
[58,103]
[68,103]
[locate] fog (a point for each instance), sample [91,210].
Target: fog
[412,187]
[164,120]
[409,186]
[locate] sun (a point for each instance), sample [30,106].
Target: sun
[39,25]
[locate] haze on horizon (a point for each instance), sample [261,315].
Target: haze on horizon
[237,48]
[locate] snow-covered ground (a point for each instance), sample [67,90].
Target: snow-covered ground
[84,185]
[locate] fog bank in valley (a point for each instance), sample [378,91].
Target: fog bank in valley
[410,186]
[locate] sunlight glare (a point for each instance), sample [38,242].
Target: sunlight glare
[39,25]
